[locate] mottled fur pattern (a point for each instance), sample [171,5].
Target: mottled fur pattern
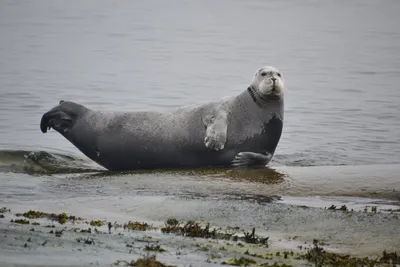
[151,140]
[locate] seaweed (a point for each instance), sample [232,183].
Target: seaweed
[242,261]
[97,223]
[154,248]
[86,241]
[61,218]
[137,226]
[147,261]
[190,229]
[4,210]
[89,230]
[319,257]
[59,233]
[253,239]
[20,221]
[275,264]
[342,208]
[390,258]
[194,229]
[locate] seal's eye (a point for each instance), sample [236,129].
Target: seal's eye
[263,74]
[279,75]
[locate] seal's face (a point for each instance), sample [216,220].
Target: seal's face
[268,81]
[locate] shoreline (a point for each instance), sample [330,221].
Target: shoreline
[291,206]
[289,229]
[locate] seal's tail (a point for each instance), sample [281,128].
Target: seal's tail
[61,117]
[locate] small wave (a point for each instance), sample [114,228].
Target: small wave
[309,159]
[43,163]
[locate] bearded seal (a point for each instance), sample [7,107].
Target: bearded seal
[239,131]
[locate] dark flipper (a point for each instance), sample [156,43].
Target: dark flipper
[61,117]
[58,120]
[250,159]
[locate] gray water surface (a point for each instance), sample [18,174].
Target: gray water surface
[341,64]
[340,60]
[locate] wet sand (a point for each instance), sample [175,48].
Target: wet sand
[288,205]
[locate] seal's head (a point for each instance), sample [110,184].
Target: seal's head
[268,82]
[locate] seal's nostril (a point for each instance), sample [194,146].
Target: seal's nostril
[273,79]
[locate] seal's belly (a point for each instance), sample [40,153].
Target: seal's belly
[154,142]
[148,142]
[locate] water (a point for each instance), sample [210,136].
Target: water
[340,60]
[341,137]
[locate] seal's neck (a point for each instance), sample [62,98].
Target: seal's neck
[262,100]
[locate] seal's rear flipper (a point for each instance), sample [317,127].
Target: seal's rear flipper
[61,117]
[58,120]
[250,159]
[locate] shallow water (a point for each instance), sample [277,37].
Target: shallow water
[340,60]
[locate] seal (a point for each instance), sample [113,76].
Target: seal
[239,131]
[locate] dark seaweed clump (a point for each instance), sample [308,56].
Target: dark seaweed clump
[342,208]
[194,229]
[242,261]
[275,264]
[154,248]
[137,226]
[4,210]
[97,223]
[148,261]
[190,229]
[62,218]
[20,221]
[319,257]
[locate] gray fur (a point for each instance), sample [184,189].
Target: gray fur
[217,124]
[242,131]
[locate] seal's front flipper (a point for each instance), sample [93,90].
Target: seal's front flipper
[250,159]
[216,131]
[217,125]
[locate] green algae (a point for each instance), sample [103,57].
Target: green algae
[275,264]
[390,258]
[172,222]
[20,221]
[316,255]
[242,261]
[195,229]
[137,226]
[147,261]
[61,218]
[266,256]
[319,257]
[190,229]
[97,223]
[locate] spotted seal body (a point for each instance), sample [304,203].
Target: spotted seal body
[243,130]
